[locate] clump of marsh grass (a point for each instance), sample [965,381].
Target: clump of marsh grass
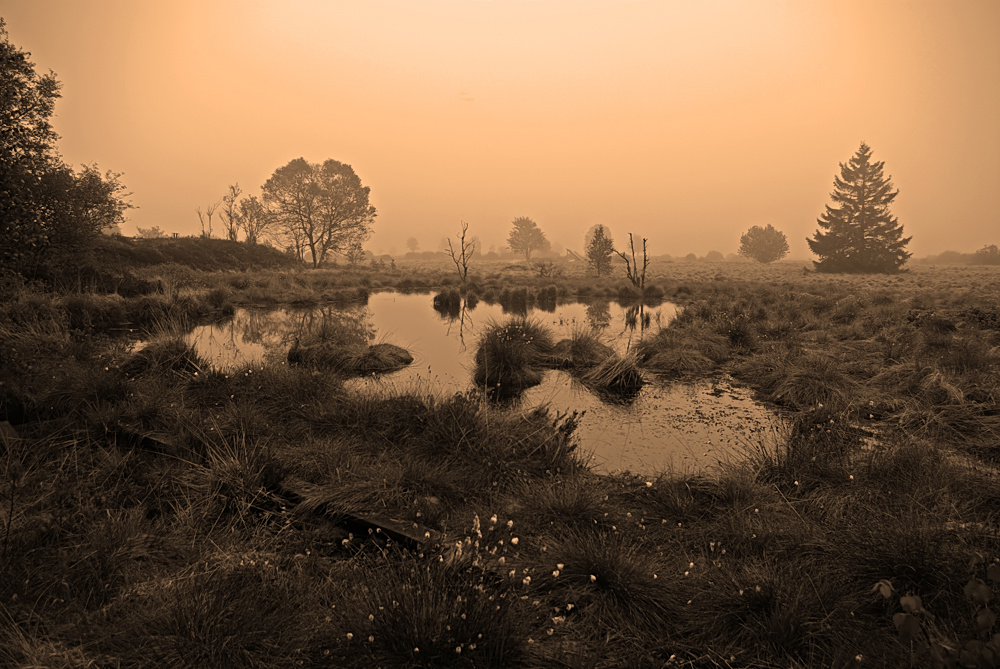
[514,300]
[509,354]
[353,360]
[448,303]
[583,348]
[800,381]
[613,579]
[247,613]
[615,375]
[411,612]
[687,349]
[166,352]
[570,502]
[493,450]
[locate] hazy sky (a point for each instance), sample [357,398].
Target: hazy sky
[682,121]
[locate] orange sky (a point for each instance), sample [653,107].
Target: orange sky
[682,121]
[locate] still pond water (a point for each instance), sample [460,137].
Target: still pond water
[676,426]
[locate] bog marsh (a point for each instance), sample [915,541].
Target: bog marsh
[166,510]
[664,425]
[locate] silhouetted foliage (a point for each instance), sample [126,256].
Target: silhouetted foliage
[152,232]
[49,212]
[988,255]
[861,234]
[254,219]
[764,245]
[319,208]
[526,237]
[600,247]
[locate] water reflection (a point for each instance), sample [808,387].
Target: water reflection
[656,427]
[599,314]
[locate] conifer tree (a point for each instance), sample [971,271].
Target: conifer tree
[861,234]
[599,249]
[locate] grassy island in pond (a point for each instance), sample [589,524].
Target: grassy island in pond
[156,511]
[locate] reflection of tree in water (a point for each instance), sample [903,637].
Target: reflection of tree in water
[599,314]
[344,327]
[637,320]
[636,316]
[463,318]
[253,326]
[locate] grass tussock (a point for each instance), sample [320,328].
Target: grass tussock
[616,375]
[510,353]
[375,359]
[408,612]
[164,354]
[582,349]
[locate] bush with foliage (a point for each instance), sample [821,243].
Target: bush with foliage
[988,255]
[764,245]
[526,237]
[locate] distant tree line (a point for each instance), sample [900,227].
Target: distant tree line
[50,212]
[989,254]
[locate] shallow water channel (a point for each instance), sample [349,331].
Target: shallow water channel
[680,426]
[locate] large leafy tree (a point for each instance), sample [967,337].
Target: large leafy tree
[48,211]
[859,233]
[764,245]
[599,247]
[525,237]
[321,208]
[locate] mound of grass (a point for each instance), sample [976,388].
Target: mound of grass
[615,375]
[351,359]
[612,578]
[509,354]
[583,348]
[683,350]
[801,381]
[448,303]
[406,612]
[195,252]
[162,354]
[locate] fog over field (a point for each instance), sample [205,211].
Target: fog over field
[685,122]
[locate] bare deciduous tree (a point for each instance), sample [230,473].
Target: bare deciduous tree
[632,272]
[463,253]
[230,213]
[206,232]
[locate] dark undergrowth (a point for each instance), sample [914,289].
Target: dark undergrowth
[157,512]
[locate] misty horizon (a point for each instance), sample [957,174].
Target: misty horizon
[684,124]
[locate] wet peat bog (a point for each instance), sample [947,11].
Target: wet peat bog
[665,426]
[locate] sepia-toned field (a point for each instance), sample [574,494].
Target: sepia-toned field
[157,512]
